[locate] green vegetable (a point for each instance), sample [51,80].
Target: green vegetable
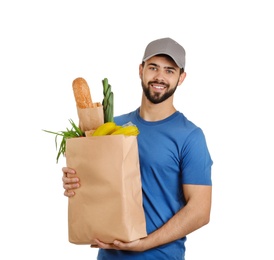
[75,131]
[107,101]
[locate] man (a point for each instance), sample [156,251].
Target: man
[174,160]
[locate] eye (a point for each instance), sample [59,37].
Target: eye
[169,71]
[153,68]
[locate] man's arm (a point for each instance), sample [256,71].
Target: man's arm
[193,216]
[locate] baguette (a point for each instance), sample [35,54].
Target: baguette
[82,93]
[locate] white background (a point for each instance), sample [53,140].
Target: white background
[228,92]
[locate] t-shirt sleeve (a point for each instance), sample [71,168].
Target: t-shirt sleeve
[196,160]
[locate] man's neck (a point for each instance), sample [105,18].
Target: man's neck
[156,112]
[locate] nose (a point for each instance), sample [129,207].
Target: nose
[159,76]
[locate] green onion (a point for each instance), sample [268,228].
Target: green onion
[75,131]
[107,101]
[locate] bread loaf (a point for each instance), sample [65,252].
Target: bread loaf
[82,93]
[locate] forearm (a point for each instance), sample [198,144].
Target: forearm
[193,216]
[180,225]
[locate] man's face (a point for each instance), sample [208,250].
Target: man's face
[160,77]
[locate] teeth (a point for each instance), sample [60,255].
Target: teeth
[158,87]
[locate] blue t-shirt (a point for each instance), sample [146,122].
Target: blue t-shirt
[172,152]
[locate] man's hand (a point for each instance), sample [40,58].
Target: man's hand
[70,181]
[135,245]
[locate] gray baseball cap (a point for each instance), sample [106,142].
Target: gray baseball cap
[166,46]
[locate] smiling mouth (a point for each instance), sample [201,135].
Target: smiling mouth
[156,86]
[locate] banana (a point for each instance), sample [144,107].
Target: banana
[110,128]
[105,129]
[117,127]
[126,130]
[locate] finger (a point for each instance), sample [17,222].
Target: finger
[118,243]
[93,244]
[103,245]
[71,186]
[69,193]
[70,179]
[67,171]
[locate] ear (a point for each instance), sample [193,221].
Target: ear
[140,70]
[181,78]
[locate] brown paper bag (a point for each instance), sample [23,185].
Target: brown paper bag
[108,204]
[90,118]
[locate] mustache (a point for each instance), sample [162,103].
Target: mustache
[158,82]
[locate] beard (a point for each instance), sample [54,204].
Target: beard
[157,98]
